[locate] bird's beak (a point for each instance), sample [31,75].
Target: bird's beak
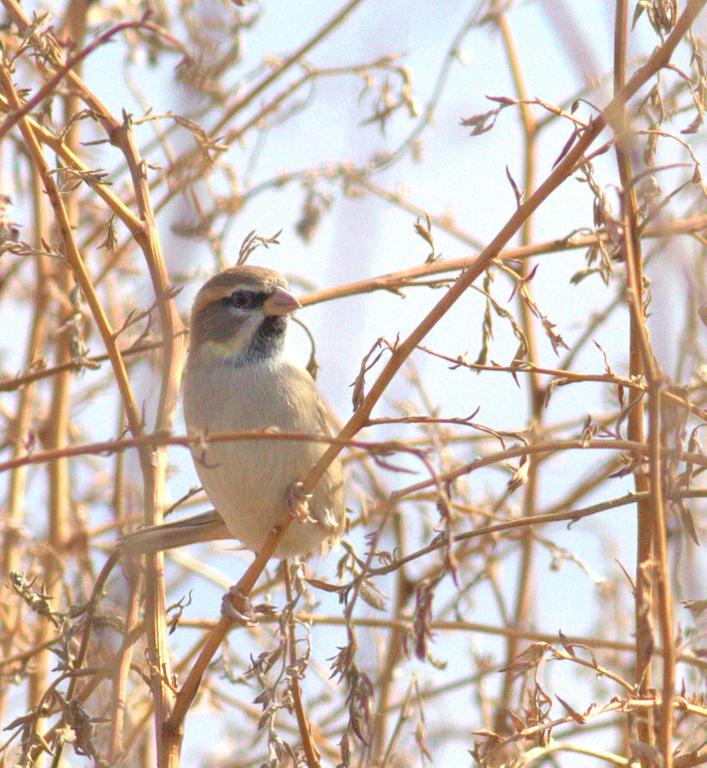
[280,302]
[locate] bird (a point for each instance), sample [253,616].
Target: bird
[238,377]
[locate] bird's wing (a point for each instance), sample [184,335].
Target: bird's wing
[326,419]
[208,526]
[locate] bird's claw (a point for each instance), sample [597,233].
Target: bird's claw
[237,607]
[298,503]
[329,521]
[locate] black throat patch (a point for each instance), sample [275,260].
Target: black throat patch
[268,339]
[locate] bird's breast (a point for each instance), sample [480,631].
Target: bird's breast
[247,480]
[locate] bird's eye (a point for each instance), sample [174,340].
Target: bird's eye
[242,299]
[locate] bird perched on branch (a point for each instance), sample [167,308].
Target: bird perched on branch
[237,378]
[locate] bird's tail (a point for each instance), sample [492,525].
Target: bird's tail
[208,526]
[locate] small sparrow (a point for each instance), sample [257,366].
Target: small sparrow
[238,378]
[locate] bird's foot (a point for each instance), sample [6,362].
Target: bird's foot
[237,607]
[298,503]
[329,521]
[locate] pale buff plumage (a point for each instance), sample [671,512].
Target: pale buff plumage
[237,378]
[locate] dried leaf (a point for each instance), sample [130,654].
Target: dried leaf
[637,12]
[687,522]
[421,632]
[576,716]
[566,148]
[516,191]
[566,644]
[420,739]
[372,595]
[425,232]
[481,123]
[529,658]
[488,734]
[520,475]
[696,607]
[359,383]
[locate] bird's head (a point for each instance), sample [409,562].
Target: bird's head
[240,315]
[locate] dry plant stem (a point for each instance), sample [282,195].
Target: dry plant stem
[632,252]
[389,282]
[139,727]
[311,754]
[569,376]
[22,422]
[393,657]
[403,278]
[73,162]
[377,750]
[138,733]
[660,570]
[152,462]
[285,66]
[90,686]
[690,761]
[439,222]
[405,625]
[173,726]
[91,606]
[59,500]
[591,482]
[23,418]
[24,656]
[194,159]
[601,671]
[73,257]
[143,229]
[132,617]
[659,59]
[76,29]
[402,594]
[394,736]
[59,419]
[93,677]
[51,85]
[562,170]
[59,481]
[164,438]
[59,485]
[120,676]
[524,589]
[664,588]
[74,366]
[628,704]
[541,753]
[508,525]
[110,446]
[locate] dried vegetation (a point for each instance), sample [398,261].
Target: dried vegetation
[427,638]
